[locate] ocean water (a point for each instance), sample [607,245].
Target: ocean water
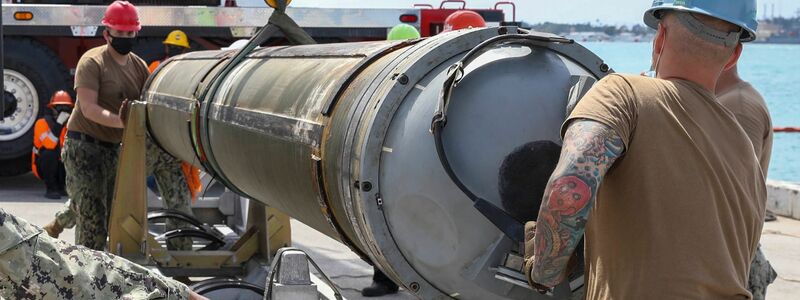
[772,69]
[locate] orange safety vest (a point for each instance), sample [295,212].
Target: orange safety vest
[43,137]
[153,66]
[192,175]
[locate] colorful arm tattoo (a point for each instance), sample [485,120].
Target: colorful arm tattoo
[589,150]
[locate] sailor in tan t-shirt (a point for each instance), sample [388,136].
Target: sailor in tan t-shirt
[752,113]
[680,209]
[105,76]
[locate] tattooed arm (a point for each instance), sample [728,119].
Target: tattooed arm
[590,148]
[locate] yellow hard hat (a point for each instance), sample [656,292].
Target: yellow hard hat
[177,38]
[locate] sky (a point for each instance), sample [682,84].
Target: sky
[621,12]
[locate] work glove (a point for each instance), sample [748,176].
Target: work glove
[62,117]
[123,111]
[530,232]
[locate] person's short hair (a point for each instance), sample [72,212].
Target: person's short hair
[682,40]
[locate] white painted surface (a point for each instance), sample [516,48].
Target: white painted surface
[783,198]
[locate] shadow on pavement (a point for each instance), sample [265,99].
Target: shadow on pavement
[24,188]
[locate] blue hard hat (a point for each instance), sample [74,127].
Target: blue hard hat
[739,12]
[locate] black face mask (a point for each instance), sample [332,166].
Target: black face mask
[174,50]
[122,45]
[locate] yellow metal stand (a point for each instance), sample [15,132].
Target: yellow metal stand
[267,228]
[127,227]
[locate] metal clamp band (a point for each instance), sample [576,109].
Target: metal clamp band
[512,228]
[278,21]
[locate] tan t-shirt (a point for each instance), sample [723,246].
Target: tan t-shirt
[113,82]
[679,214]
[751,111]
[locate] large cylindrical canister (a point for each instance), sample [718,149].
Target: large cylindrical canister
[338,137]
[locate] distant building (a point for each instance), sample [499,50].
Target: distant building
[779,31]
[631,37]
[588,36]
[596,36]
[767,30]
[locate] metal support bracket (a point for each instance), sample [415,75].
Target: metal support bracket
[289,277]
[130,238]
[128,219]
[84,31]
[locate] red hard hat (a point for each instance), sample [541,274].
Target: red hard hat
[122,16]
[463,19]
[61,98]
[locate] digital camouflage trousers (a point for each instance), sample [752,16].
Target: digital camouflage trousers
[91,172]
[761,275]
[36,266]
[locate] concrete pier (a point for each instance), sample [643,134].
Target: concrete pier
[784,198]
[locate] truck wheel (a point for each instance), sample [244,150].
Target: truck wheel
[15,166]
[32,74]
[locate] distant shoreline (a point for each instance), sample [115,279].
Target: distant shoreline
[779,42]
[780,30]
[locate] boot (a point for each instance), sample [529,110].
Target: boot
[770,216]
[381,285]
[53,229]
[378,289]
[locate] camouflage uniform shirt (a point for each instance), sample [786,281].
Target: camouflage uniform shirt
[35,266]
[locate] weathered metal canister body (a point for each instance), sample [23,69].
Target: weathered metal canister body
[338,137]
